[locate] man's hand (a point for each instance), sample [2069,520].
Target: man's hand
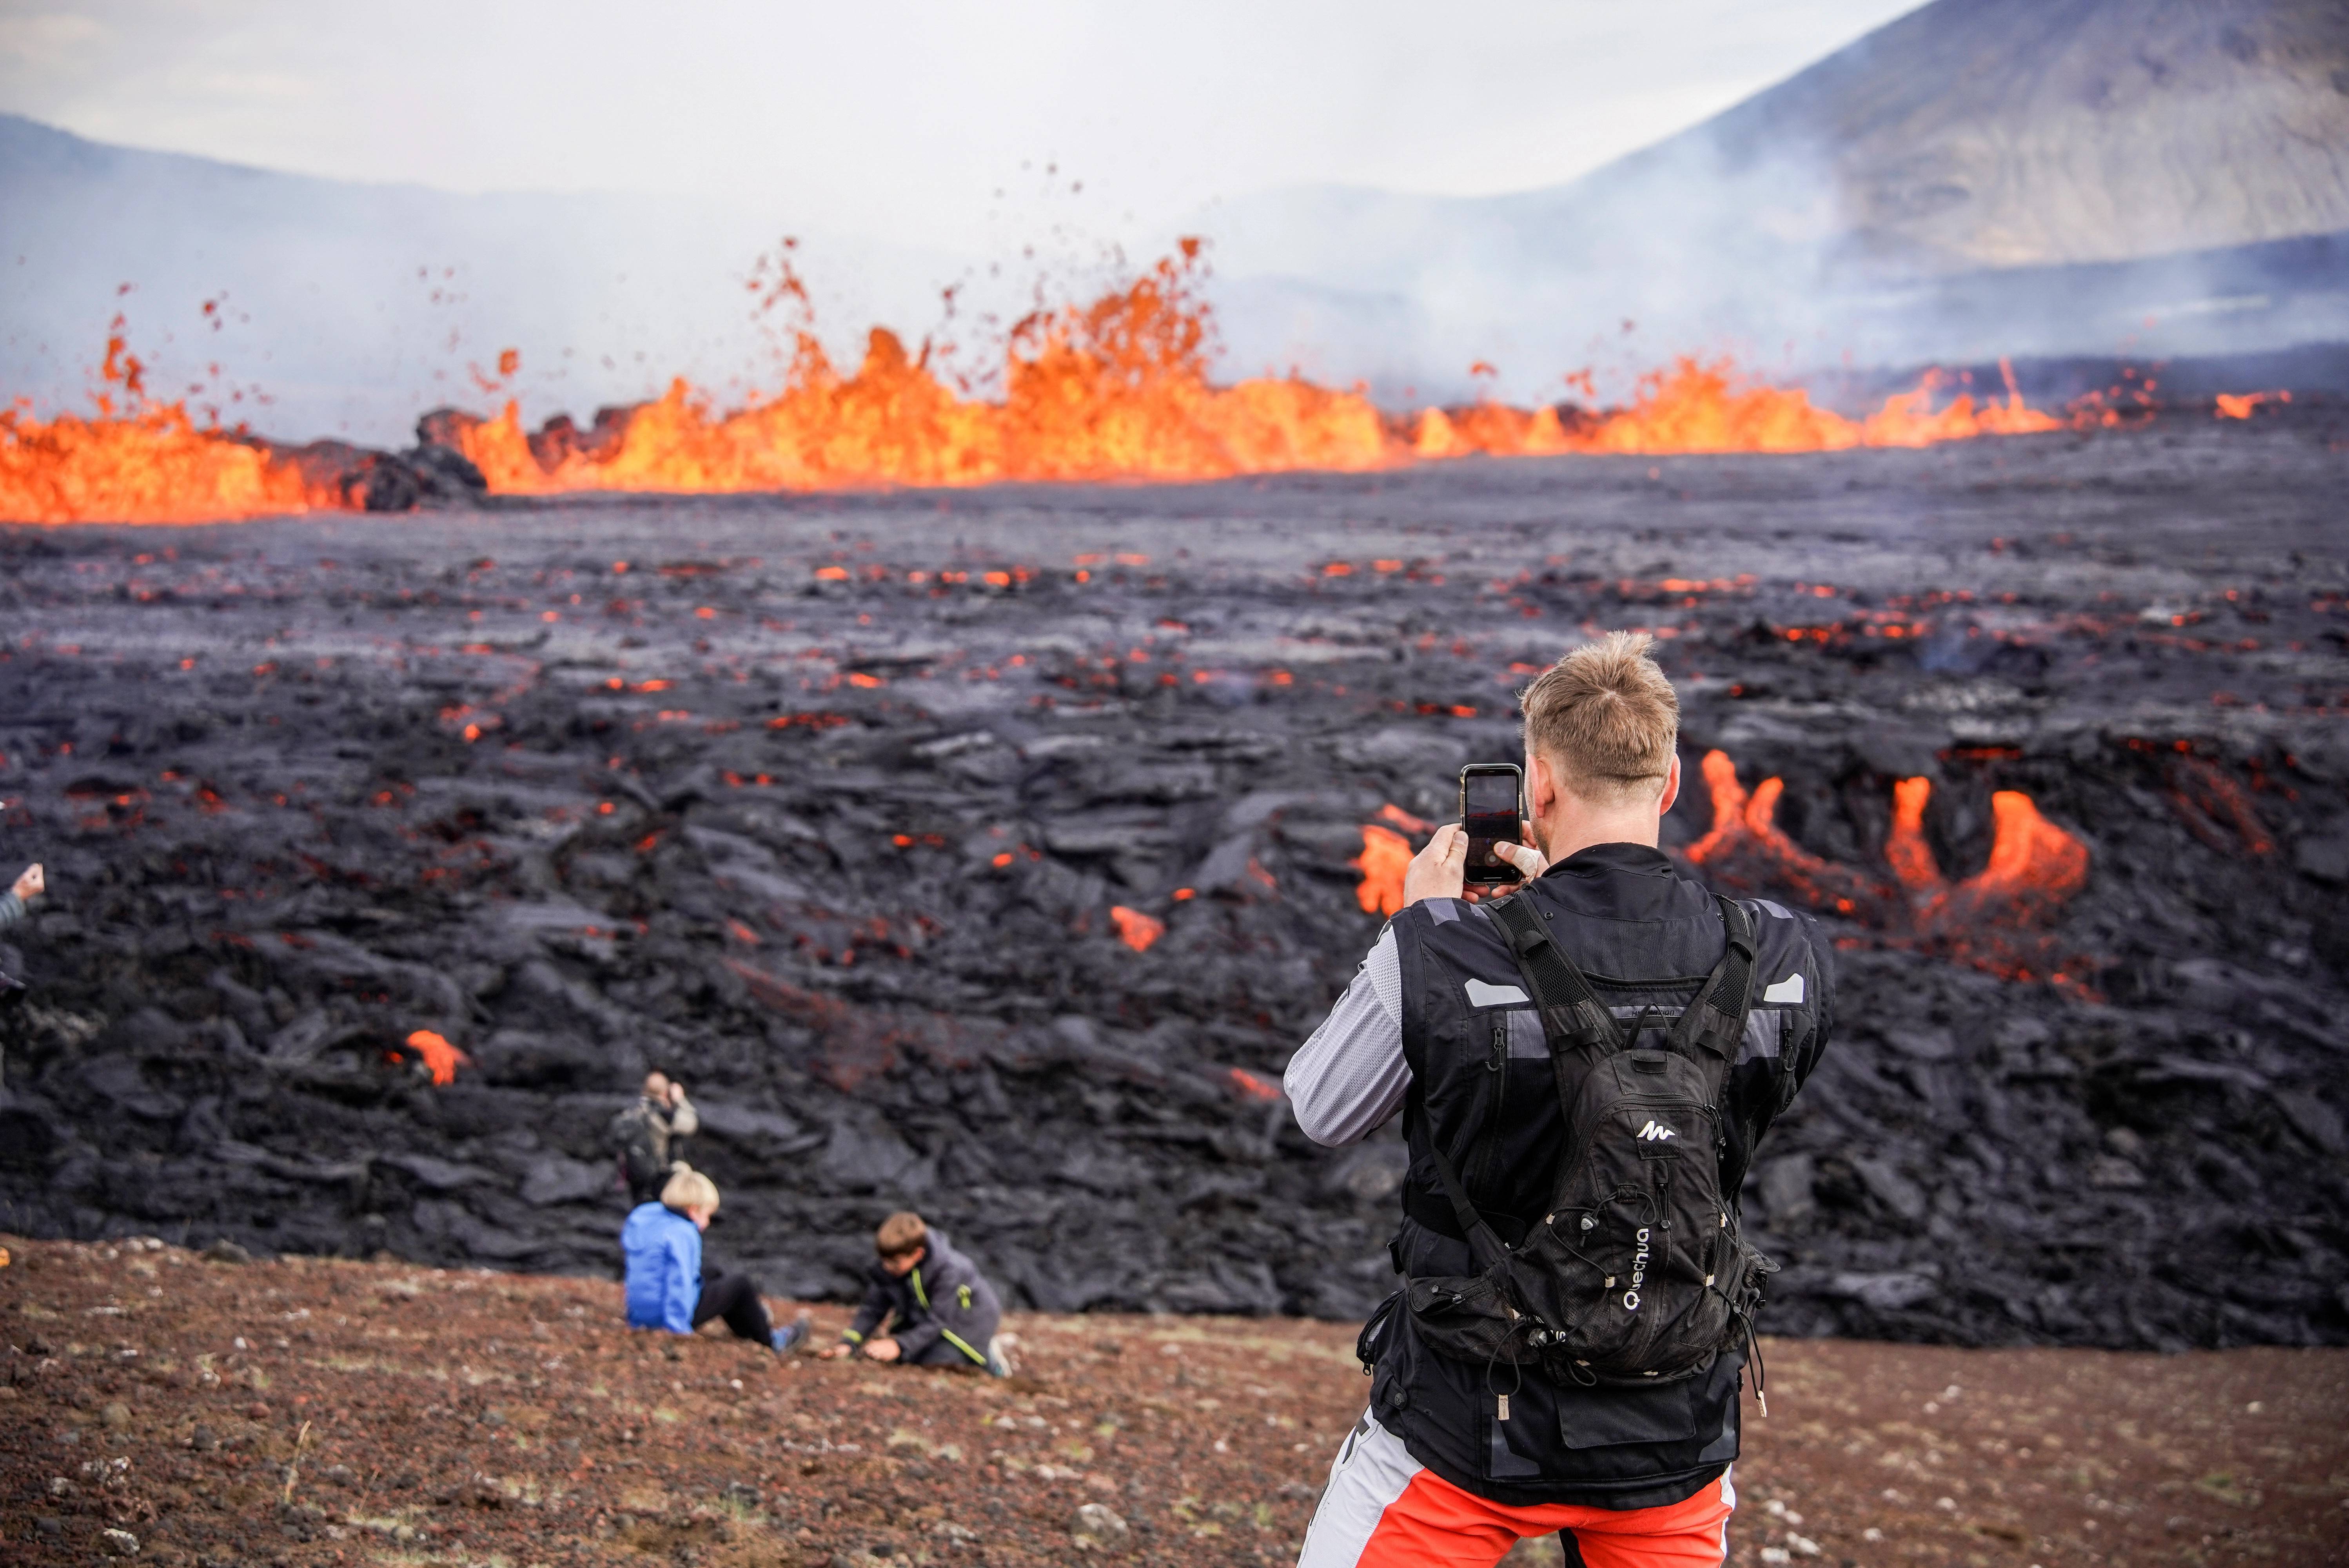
[676,1093]
[1440,871]
[881,1350]
[1437,870]
[1525,857]
[30,884]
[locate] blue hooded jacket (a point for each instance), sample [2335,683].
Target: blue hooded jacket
[664,1252]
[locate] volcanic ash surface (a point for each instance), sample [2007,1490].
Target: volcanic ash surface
[314,1411]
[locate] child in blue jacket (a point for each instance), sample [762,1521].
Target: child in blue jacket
[668,1286]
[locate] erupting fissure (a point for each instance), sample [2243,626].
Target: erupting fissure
[1116,389]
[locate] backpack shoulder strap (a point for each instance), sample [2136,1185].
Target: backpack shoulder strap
[1570,1012]
[1714,1020]
[1485,1243]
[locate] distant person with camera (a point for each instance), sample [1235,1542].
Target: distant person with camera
[1586,1047]
[667,1285]
[14,904]
[29,885]
[939,1311]
[646,1135]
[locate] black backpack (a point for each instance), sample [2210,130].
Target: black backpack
[1637,1271]
[630,1134]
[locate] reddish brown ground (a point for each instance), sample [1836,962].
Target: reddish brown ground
[321,1412]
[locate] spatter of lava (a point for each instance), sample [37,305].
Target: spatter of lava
[137,459]
[1993,920]
[1116,389]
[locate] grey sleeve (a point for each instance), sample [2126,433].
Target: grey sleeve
[12,908]
[683,1121]
[1346,1081]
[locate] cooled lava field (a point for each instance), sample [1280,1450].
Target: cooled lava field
[989,852]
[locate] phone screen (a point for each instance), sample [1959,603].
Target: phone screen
[1490,811]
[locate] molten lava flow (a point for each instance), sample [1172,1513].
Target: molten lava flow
[1747,841]
[2034,868]
[1706,407]
[147,464]
[2240,405]
[1906,850]
[439,1055]
[1251,1087]
[1386,854]
[1135,929]
[1115,389]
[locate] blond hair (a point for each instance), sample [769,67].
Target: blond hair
[900,1233]
[1606,719]
[687,1190]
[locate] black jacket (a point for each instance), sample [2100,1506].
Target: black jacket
[944,1297]
[1482,1086]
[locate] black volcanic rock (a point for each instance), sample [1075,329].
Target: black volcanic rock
[585,789]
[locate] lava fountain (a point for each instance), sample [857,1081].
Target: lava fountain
[1115,389]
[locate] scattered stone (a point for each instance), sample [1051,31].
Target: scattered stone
[1099,1527]
[118,1543]
[224,1250]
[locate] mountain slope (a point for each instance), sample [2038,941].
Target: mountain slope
[1870,203]
[1994,133]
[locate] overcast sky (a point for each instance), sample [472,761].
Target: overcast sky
[927,124]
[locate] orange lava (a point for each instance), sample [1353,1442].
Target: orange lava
[1253,1087]
[1696,407]
[1906,850]
[2239,405]
[149,463]
[1987,920]
[1745,829]
[439,1055]
[1135,929]
[1115,389]
[1386,854]
[2035,866]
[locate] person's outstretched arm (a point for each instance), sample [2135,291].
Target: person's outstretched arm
[870,1312]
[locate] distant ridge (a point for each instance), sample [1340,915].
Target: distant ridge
[1872,202]
[1997,133]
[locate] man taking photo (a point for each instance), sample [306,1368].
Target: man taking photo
[1584,1064]
[647,1135]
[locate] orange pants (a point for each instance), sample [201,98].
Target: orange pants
[1383,1510]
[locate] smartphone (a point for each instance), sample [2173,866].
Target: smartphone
[1492,808]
